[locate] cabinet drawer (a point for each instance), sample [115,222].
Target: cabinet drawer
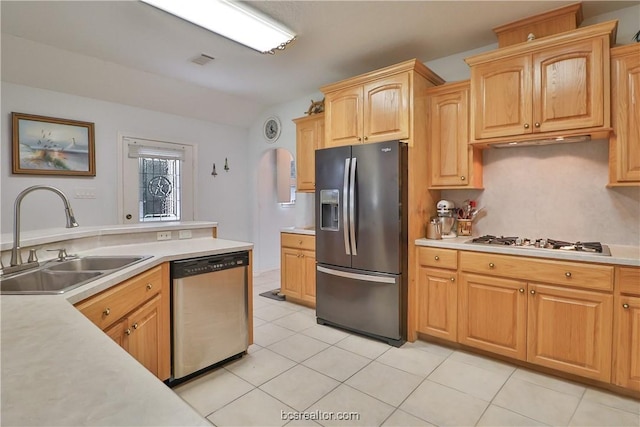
[299,241]
[437,257]
[629,280]
[575,274]
[113,304]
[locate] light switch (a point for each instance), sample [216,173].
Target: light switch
[184,234]
[85,193]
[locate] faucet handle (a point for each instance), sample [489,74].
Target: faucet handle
[33,255]
[62,253]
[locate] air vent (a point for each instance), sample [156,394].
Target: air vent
[202,59]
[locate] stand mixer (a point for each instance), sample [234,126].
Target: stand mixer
[446,215]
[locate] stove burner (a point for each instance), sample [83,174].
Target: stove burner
[590,247]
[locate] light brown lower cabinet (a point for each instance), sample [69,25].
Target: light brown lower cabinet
[135,314]
[626,348]
[298,268]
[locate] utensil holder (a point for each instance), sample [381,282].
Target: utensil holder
[464,227]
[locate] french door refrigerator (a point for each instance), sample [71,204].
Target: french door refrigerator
[361,239]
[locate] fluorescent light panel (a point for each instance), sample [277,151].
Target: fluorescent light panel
[229,19]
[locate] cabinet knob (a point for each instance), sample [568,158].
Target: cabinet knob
[437,258]
[107,311]
[532,292]
[359,139]
[625,305]
[526,125]
[135,325]
[462,178]
[453,279]
[366,138]
[537,124]
[521,290]
[149,286]
[300,242]
[491,265]
[567,274]
[128,331]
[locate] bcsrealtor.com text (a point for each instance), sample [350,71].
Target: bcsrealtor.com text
[319,415]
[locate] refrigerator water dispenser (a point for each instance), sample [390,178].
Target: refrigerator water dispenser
[329,209]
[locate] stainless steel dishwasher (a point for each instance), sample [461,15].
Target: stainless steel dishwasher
[209,312]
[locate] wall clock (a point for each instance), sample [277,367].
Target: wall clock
[272,129]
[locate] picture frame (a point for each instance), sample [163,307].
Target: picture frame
[52,146]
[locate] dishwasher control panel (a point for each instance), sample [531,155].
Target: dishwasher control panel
[209,264]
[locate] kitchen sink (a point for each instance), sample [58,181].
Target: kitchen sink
[57,277]
[95,263]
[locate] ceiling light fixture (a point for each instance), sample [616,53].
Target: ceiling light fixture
[231,20]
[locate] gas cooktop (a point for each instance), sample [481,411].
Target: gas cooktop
[595,248]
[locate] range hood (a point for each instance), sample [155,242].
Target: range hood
[544,141]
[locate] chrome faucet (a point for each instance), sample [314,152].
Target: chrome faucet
[16,256]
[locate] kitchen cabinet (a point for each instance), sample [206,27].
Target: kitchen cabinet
[135,314]
[551,313]
[624,144]
[437,293]
[454,163]
[309,137]
[551,87]
[626,347]
[374,107]
[298,268]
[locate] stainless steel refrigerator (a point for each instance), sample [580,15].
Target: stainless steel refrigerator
[361,239]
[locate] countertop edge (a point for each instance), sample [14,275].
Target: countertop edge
[299,230]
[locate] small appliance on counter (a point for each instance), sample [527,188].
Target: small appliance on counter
[434,229]
[446,215]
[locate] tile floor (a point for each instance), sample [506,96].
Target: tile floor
[299,369]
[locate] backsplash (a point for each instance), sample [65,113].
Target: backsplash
[556,192]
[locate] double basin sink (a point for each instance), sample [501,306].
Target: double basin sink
[57,277]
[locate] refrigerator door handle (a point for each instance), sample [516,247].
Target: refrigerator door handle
[352,207]
[345,208]
[356,276]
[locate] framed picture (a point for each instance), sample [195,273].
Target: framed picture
[51,146]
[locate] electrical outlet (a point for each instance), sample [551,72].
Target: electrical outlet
[85,193]
[164,235]
[184,234]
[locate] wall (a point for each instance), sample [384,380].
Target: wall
[223,199]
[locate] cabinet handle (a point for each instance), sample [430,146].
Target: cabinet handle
[462,178]
[149,286]
[532,292]
[127,332]
[537,124]
[437,258]
[453,279]
[526,125]
[135,325]
[491,265]
[567,274]
[521,290]
[625,305]
[300,242]
[107,311]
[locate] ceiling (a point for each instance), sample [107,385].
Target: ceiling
[336,40]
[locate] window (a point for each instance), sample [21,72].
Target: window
[157,181]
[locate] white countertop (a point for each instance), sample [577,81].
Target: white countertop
[310,230]
[58,368]
[620,255]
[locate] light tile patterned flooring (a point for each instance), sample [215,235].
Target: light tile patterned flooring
[297,368]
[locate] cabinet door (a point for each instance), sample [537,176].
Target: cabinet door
[501,98]
[437,295]
[493,314]
[570,330]
[118,333]
[386,109]
[144,340]
[626,115]
[626,347]
[343,112]
[292,274]
[569,87]
[307,138]
[309,283]
[448,127]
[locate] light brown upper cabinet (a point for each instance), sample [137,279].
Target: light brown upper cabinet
[556,86]
[624,146]
[309,137]
[374,107]
[454,162]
